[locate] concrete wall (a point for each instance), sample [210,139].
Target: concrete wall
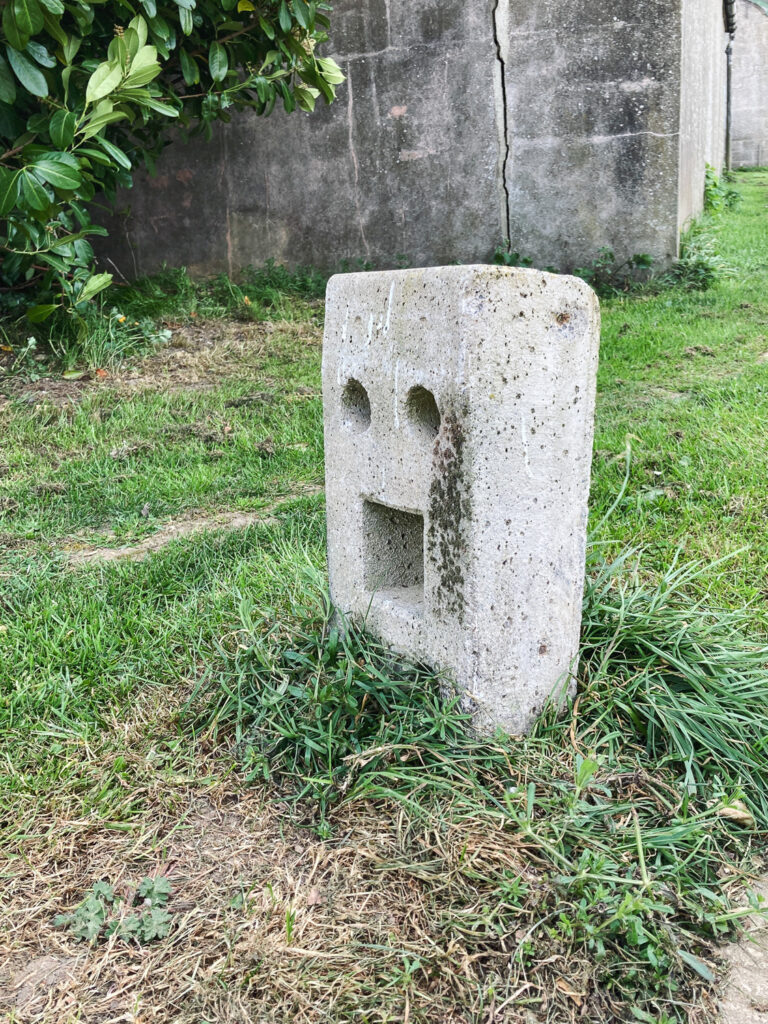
[405,162]
[702,101]
[750,86]
[593,110]
[462,123]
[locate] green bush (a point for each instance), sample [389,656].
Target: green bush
[86,90]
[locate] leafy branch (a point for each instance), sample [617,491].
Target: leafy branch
[86,94]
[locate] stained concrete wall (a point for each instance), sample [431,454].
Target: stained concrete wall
[593,111]
[702,101]
[750,85]
[462,123]
[405,162]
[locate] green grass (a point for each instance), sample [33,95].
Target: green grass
[621,811]
[618,813]
[682,382]
[79,648]
[96,463]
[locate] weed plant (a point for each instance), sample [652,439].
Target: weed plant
[269,292]
[680,682]
[610,277]
[101,915]
[105,338]
[718,194]
[700,264]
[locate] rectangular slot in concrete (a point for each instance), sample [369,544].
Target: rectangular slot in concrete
[393,553]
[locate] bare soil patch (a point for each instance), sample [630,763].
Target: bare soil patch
[186,526]
[745,994]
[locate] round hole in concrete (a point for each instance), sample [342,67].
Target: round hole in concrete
[356,406]
[423,413]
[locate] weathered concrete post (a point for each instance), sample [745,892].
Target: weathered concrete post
[459,408]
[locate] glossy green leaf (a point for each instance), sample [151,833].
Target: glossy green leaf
[118,52]
[71,47]
[62,128]
[30,76]
[38,124]
[96,283]
[144,67]
[306,96]
[302,13]
[32,191]
[189,68]
[160,108]
[97,78]
[132,42]
[330,70]
[75,241]
[103,106]
[58,264]
[52,25]
[104,80]
[139,26]
[17,39]
[161,29]
[218,62]
[59,169]
[7,82]
[145,58]
[66,74]
[28,16]
[115,153]
[94,154]
[37,314]
[289,103]
[97,123]
[9,190]
[39,54]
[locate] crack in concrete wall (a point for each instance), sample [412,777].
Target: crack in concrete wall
[563,118]
[500,23]
[355,164]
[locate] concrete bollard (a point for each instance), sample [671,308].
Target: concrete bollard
[459,410]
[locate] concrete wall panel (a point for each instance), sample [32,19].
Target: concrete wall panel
[702,101]
[750,85]
[592,100]
[405,162]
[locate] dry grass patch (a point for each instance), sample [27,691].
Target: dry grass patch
[268,922]
[197,357]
